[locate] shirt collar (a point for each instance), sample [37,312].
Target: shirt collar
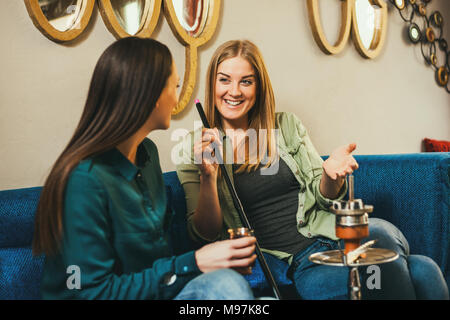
[114,158]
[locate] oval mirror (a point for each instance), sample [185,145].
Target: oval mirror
[130,14]
[400,4]
[369,26]
[60,20]
[365,18]
[318,32]
[192,15]
[62,14]
[193,23]
[125,18]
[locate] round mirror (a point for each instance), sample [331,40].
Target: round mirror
[400,4]
[314,13]
[62,14]
[369,26]
[193,23]
[125,18]
[130,14]
[60,20]
[365,18]
[414,33]
[192,15]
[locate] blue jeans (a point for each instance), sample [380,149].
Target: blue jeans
[223,284]
[408,277]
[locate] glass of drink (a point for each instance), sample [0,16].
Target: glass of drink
[237,233]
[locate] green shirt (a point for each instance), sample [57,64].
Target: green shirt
[115,227]
[296,149]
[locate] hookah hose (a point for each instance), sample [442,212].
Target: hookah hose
[238,205]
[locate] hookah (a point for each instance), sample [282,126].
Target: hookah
[352,225]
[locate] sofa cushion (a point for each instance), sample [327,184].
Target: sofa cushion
[17,210]
[20,274]
[432,145]
[180,241]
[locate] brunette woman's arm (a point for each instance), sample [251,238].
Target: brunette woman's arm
[89,244]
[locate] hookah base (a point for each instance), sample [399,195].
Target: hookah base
[371,256]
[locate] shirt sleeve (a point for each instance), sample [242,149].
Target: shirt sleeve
[316,162]
[189,175]
[88,244]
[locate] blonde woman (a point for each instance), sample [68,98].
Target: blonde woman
[284,185]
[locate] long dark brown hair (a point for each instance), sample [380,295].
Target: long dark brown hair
[126,84]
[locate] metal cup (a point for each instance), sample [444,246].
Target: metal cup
[237,233]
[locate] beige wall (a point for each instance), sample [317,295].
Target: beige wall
[387,105]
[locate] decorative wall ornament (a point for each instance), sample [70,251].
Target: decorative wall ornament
[430,36]
[60,21]
[365,19]
[144,17]
[193,23]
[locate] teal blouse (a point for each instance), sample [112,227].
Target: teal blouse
[115,229]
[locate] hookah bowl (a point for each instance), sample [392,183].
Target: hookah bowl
[352,226]
[352,220]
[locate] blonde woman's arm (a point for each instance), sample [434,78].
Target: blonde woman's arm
[198,176]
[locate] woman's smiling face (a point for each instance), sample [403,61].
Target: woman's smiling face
[235,92]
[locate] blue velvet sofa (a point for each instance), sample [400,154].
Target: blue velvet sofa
[411,191]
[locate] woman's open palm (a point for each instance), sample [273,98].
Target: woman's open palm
[341,162]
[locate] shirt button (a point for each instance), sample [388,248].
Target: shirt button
[301,222]
[309,234]
[185,268]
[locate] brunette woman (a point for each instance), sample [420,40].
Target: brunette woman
[103,216]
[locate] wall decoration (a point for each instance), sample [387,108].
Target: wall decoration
[125,18]
[428,31]
[60,20]
[193,23]
[365,19]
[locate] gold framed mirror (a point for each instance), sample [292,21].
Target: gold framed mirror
[193,23]
[60,20]
[369,26]
[319,34]
[125,18]
[366,20]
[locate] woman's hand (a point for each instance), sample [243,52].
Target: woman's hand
[235,253]
[341,162]
[336,167]
[208,217]
[204,152]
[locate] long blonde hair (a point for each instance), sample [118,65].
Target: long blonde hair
[262,114]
